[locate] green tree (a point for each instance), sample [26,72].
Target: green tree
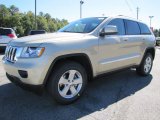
[156,32]
[47,16]
[42,23]
[13,9]
[4,13]
[41,14]
[28,22]
[159,33]
[24,22]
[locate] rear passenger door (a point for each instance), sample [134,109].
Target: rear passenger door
[133,42]
[113,52]
[145,34]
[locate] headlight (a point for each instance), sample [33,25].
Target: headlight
[31,52]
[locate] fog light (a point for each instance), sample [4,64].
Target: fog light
[23,74]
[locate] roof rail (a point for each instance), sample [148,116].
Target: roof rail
[127,17]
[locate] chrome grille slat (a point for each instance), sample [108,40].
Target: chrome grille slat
[10,54]
[14,53]
[12,57]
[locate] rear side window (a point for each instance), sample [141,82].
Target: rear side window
[120,25]
[132,28]
[5,31]
[144,29]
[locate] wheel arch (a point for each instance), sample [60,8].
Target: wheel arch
[150,50]
[81,58]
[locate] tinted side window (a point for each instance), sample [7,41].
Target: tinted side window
[5,31]
[132,28]
[144,29]
[120,25]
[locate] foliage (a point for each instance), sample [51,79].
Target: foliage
[24,22]
[156,32]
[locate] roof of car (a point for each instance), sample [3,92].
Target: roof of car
[120,16]
[126,17]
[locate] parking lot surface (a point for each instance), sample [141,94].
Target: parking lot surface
[120,96]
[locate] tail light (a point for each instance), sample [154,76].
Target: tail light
[11,35]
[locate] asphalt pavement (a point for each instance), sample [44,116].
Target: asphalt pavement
[118,96]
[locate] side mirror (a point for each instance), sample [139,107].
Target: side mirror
[109,30]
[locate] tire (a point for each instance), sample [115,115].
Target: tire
[67,83]
[146,65]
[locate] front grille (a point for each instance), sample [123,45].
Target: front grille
[10,54]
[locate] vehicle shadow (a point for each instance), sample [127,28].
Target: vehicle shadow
[100,94]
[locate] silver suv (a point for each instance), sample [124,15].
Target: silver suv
[6,35]
[63,62]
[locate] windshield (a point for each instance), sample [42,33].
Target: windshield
[85,25]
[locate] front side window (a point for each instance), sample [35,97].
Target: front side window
[119,24]
[132,28]
[85,25]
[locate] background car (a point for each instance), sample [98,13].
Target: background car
[6,35]
[157,41]
[35,32]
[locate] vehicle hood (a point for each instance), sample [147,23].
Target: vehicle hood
[37,40]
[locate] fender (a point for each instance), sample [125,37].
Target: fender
[65,57]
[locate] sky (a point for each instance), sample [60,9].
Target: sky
[70,9]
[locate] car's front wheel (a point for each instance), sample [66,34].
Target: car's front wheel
[67,82]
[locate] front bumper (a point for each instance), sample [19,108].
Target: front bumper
[33,88]
[36,70]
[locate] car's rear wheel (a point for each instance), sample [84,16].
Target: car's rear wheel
[146,66]
[67,82]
